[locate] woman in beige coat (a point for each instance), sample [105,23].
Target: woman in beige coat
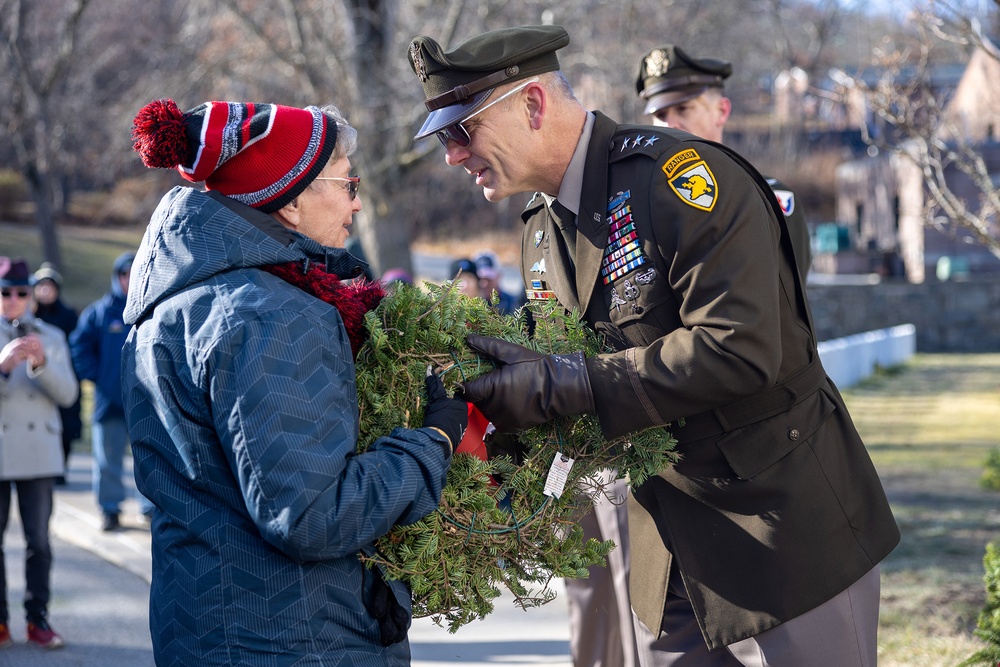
[36,379]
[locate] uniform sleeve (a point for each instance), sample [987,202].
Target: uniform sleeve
[285,409]
[721,263]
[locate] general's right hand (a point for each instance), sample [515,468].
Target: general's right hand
[528,388]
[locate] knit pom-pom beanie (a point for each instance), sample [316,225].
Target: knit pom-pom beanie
[158,135]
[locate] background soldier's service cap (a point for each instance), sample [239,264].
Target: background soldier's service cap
[457,82]
[668,76]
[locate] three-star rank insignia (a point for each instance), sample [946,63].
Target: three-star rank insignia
[690,177]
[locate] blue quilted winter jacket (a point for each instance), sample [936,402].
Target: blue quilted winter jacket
[240,398]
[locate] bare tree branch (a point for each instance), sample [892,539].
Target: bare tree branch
[904,98]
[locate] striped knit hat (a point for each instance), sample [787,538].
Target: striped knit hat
[263,155]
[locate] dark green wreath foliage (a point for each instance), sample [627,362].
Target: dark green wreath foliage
[485,536]
[988,628]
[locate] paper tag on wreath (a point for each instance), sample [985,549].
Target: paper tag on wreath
[558,474]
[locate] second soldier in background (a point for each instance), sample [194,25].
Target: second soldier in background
[686,93]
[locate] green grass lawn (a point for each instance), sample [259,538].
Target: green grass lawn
[930,426]
[87,253]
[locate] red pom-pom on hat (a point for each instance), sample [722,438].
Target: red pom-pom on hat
[158,135]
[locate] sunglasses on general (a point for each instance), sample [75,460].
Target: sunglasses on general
[457,132]
[22,293]
[353,184]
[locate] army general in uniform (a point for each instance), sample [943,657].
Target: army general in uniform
[762,545]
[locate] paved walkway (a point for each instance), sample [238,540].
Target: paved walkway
[509,637]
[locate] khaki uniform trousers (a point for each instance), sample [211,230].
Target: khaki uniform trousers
[600,614]
[842,632]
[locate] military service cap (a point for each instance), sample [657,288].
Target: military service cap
[668,76]
[457,82]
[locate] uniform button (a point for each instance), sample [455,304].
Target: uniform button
[793,434]
[639,310]
[31,426]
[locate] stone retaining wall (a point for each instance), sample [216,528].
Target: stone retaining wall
[960,316]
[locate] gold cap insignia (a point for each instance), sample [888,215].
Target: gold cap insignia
[418,62]
[657,63]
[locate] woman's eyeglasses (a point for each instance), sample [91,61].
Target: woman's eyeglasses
[22,293]
[353,184]
[457,132]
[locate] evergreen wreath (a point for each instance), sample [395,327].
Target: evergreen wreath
[494,526]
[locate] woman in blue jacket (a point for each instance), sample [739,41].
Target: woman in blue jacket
[240,397]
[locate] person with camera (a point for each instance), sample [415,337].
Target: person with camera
[36,379]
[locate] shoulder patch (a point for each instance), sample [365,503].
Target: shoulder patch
[786,200]
[691,179]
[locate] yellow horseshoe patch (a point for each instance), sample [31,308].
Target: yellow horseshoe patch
[692,180]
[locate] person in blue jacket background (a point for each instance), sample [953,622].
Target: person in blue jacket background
[96,344]
[241,400]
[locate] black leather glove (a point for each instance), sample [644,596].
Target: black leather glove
[391,616]
[449,415]
[528,388]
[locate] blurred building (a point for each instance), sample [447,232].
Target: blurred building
[885,223]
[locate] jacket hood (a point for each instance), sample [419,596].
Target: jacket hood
[123,261]
[195,235]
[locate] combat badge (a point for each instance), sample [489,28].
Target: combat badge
[690,177]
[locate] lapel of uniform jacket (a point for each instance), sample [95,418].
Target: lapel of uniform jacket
[591,222]
[557,275]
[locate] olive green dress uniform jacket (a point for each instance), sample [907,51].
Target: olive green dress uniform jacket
[775,506]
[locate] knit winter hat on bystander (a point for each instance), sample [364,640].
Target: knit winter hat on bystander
[14,272]
[263,155]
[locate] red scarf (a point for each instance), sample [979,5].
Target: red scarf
[352,299]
